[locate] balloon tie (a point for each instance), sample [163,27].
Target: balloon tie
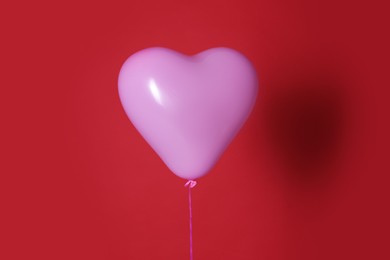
[190,184]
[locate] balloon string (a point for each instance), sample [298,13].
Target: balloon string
[190,184]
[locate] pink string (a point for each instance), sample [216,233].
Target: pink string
[190,184]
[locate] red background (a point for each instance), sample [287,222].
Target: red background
[306,178]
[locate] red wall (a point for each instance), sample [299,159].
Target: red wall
[306,178]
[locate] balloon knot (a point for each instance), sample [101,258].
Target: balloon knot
[190,183]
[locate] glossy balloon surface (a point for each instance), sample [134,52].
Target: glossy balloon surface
[188,108]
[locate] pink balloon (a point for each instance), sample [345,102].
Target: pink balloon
[188,108]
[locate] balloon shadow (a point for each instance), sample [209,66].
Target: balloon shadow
[304,119]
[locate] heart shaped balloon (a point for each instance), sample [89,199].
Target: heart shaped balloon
[188,108]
